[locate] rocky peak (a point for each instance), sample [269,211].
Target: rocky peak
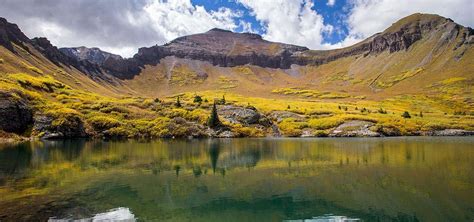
[44,46]
[398,37]
[51,52]
[10,33]
[93,55]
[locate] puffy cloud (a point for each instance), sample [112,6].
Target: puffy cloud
[289,21]
[122,27]
[176,18]
[331,2]
[367,17]
[117,26]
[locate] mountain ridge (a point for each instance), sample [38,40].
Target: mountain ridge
[245,48]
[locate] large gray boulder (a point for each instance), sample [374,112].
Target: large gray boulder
[240,115]
[354,128]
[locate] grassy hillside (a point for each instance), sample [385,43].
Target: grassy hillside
[432,80]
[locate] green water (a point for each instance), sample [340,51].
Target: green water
[379,179]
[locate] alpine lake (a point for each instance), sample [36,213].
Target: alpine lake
[266,179]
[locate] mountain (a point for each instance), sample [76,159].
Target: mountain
[93,55]
[423,63]
[227,49]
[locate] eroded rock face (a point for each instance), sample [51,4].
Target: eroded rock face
[15,114]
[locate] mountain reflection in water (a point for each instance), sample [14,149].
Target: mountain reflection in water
[373,179]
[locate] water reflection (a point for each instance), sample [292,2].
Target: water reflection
[327,218]
[121,214]
[384,179]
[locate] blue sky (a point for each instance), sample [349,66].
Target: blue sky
[334,15]
[121,27]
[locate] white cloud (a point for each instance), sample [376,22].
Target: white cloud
[368,17]
[289,21]
[122,27]
[246,26]
[176,18]
[331,2]
[119,27]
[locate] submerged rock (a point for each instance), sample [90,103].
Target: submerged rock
[15,114]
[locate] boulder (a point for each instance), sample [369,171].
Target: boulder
[15,114]
[354,128]
[71,126]
[240,115]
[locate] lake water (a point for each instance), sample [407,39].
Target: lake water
[366,179]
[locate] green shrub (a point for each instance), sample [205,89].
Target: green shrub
[197,99]
[406,115]
[101,123]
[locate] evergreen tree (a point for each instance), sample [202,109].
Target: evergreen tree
[222,101]
[406,115]
[197,99]
[178,103]
[213,120]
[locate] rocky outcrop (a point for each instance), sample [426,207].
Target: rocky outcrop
[354,128]
[56,56]
[50,127]
[241,115]
[93,55]
[15,114]
[449,132]
[10,34]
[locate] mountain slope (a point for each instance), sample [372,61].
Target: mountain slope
[423,64]
[411,56]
